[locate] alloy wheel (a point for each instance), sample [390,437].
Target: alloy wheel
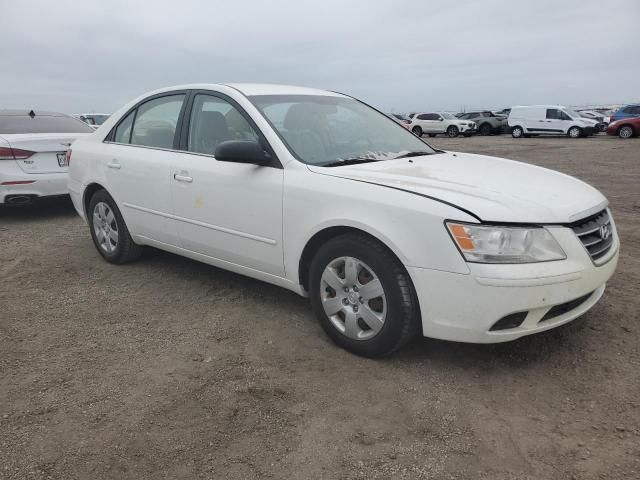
[105,227]
[353,298]
[625,132]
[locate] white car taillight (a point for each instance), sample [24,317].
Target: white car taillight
[8,153]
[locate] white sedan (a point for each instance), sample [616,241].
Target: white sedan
[321,194]
[33,149]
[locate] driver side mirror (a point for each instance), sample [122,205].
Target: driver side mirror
[242,151]
[441,119]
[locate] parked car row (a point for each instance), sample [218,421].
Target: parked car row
[523,121]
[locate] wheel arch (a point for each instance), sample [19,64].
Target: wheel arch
[630,125]
[89,191]
[327,233]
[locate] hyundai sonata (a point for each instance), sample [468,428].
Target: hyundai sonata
[322,194]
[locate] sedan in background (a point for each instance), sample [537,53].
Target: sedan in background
[625,128]
[93,119]
[628,111]
[33,160]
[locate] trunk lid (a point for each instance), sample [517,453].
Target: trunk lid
[46,146]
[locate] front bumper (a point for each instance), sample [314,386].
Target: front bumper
[40,184]
[464,307]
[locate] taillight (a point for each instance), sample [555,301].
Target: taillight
[8,153]
[67,156]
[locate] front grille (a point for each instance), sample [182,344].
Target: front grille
[595,233]
[563,308]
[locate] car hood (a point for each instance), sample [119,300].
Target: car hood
[493,189]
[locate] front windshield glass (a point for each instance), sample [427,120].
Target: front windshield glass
[571,113]
[449,116]
[321,130]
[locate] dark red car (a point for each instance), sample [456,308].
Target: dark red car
[625,127]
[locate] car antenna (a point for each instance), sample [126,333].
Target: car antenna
[32,114]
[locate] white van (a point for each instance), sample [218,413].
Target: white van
[548,120]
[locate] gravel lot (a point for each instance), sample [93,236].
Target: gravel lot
[167,368]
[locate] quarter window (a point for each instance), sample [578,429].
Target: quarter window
[155,122]
[123,130]
[214,120]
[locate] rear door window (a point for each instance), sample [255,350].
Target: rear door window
[156,120]
[123,130]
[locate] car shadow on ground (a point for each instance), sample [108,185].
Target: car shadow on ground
[545,347]
[57,207]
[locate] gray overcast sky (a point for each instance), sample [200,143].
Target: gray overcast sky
[77,56]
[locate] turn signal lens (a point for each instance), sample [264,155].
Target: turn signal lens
[497,244]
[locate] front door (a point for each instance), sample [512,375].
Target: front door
[228,211]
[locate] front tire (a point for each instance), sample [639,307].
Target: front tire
[417,131]
[625,131]
[452,131]
[517,132]
[362,296]
[109,232]
[574,132]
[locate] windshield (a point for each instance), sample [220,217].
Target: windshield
[41,124]
[571,113]
[449,116]
[321,129]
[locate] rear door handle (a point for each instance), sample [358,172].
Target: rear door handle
[114,164]
[182,178]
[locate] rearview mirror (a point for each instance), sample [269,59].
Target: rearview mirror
[242,151]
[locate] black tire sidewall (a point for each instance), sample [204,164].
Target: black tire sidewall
[453,131]
[417,131]
[514,129]
[400,309]
[123,233]
[485,129]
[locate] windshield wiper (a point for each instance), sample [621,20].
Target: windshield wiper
[415,154]
[349,161]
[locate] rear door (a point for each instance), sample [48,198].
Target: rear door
[137,160]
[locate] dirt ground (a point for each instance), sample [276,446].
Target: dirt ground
[168,368]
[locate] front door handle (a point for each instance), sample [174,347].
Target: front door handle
[115,164]
[182,178]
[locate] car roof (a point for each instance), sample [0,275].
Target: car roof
[24,113]
[250,89]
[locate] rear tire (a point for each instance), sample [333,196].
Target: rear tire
[485,129]
[350,262]
[417,131]
[625,131]
[452,131]
[109,232]
[517,132]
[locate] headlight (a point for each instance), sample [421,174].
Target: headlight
[495,244]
